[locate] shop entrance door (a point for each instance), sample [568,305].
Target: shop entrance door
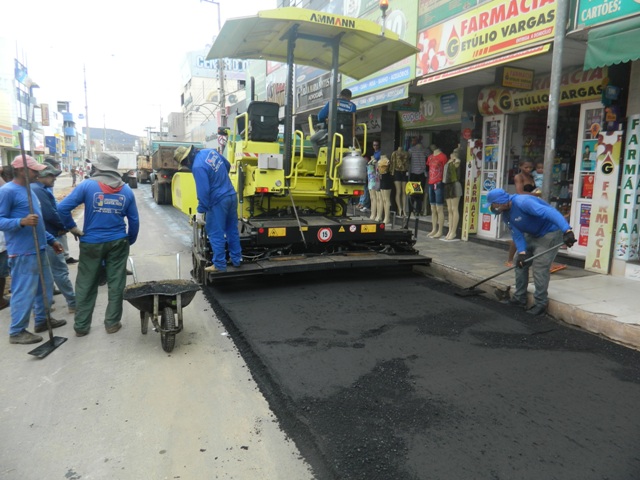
[591,122]
[494,173]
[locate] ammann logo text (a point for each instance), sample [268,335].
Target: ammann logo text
[329,20]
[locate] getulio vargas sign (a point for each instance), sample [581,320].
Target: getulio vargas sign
[576,87]
[492,29]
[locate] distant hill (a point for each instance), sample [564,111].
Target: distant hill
[115,140]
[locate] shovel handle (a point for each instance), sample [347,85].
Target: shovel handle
[530,259]
[45,300]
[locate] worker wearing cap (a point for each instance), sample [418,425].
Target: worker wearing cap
[217,203]
[55,164]
[17,222]
[535,226]
[53,225]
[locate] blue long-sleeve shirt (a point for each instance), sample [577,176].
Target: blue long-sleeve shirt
[14,206]
[105,209]
[343,106]
[52,222]
[532,215]
[211,174]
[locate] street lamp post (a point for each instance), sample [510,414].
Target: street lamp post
[384,6]
[31,114]
[86,114]
[211,112]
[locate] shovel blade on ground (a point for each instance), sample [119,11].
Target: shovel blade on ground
[47,347]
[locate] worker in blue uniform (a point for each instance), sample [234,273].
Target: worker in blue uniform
[344,104]
[535,226]
[217,203]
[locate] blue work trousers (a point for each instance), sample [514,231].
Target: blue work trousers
[26,290]
[222,228]
[541,267]
[365,198]
[60,271]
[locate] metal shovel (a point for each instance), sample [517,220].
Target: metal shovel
[469,291]
[54,342]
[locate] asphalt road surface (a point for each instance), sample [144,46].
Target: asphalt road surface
[117,407]
[361,375]
[388,375]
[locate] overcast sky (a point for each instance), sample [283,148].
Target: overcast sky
[132,51]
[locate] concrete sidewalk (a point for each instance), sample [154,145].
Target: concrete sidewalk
[601,304]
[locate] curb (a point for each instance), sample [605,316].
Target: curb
[601,324]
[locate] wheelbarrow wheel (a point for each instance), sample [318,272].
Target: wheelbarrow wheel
[168,322]
[144,322]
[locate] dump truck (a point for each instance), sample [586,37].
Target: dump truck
[164,168]
[144,169]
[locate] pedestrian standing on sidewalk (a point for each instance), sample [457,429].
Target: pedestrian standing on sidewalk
[4,271]
[217,203]
[17,223]
[4,258]
[108,201]
[51,161]
[417,169]
[535,226]
[52,223]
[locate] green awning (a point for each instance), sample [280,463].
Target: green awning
[613,43]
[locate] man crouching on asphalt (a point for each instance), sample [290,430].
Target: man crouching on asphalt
[535,226]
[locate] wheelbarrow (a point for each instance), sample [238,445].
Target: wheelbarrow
[161,302]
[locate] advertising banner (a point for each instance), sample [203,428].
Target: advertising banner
[382,97]
[409,104]
[372,119]
[431,12]
[470,213]
[44,109]
[627,238]
[6,130]
[576,87]
[492,29]
[604,202]
[313,93]
[596,12]
[400,19]
[276,82]
[440,109]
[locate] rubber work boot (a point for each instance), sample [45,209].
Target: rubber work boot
[25,338]
[537,310]
[42,327]
[514,302]
[113,328]
[213,269]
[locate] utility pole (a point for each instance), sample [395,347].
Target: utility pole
[86,114]
[562,7]
[223,102]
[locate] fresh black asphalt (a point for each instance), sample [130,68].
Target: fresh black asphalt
[388,375]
